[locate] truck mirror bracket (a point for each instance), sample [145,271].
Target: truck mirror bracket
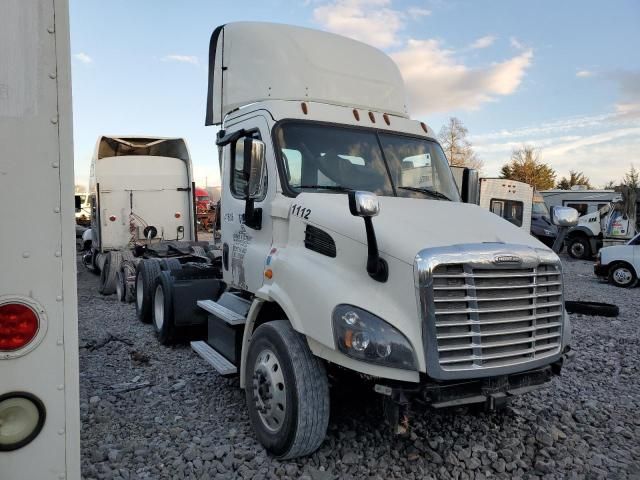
[365,205]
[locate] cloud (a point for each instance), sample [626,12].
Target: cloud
[192,59]
[436,81]
[369,21]
[601,146]
[628,81]
[83,57]
[483,42]
[515,43]
[584,73]
[416,12]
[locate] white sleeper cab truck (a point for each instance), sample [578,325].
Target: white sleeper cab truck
[346,248]
[39,406]
[142,205]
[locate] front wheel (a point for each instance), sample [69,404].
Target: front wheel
[622,275]
[288,406]
[579,248]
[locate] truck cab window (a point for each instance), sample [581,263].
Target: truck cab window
[325,158]
[510,210]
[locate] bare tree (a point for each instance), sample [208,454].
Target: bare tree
[610,185]
[526,166]
[575,178]
[459,151]
[632,178]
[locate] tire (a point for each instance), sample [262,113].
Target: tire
[121,286]
[162,312]
[129,271]
[170,264]
[109,272]
[579,248]
[146,274]
[198,251]
[89,261]
[622,275]
[592,308]
[278,355]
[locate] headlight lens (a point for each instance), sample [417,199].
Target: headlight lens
[363,336]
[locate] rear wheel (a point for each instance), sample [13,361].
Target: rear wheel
[163,311]
[579,248]
[622,275]
[146,274]
[121,286]
[109,273]
[287,391]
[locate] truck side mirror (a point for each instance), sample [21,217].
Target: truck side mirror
[254,164]
[564,216]
[470,188]
[78,200]
[366,205]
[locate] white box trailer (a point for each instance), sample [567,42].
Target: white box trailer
[39,411]
[508,199]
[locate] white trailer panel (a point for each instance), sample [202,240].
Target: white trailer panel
[508,199]
[38,236]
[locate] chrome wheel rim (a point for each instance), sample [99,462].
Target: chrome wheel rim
[577,249]
[139,292]
[622,276]
[269,390]
[158,308]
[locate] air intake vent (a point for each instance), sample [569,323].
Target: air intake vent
[319,241]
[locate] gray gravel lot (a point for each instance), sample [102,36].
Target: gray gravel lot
[154,412]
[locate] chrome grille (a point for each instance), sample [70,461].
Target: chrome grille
[496,317]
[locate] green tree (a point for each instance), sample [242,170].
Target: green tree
[632,178]
[526,166]
[575,178]
[459,151]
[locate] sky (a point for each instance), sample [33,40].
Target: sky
[563,76]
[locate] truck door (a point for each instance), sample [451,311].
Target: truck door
[244,248]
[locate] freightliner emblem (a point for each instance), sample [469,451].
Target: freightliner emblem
[507,259]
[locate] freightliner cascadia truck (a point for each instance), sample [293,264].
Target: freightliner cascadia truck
[346,248]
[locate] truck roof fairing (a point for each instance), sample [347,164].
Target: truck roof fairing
[255,61]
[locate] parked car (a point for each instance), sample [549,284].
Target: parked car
[620,264]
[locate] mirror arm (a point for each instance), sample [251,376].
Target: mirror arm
[377,267]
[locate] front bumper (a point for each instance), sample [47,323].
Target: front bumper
[490,391]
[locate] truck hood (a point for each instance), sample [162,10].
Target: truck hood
[405,226]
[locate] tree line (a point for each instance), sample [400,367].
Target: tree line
[525,165]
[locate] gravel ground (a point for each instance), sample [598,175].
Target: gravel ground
[155,412]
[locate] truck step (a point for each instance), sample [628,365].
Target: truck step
[223,366]
[223,313]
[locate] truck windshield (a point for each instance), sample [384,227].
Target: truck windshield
[331,159]
[539,208]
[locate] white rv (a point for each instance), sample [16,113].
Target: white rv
[336,254]
[39,411]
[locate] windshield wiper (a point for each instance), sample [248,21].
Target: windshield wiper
[426,191]
[337,188]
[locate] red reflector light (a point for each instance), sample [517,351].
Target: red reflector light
[112,218]
[18,326]
[177,215]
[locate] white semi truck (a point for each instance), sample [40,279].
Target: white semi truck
[142,199]
[39,406]
[346,248]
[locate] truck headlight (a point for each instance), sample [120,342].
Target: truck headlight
[363,336]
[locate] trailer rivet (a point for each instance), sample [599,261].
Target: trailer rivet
[60,387]
[56,210]
[52,75]
[59,298]
[26,254]
[54,120]
[55,164]
[51,30]
[61,431]
[59,342]
[58,254]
